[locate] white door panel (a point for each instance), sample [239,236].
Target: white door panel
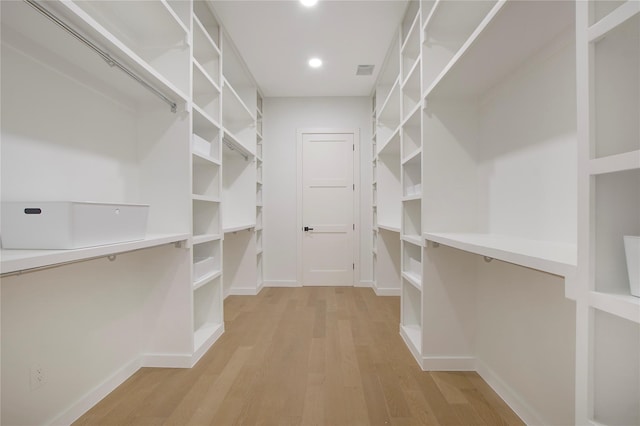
[327,208]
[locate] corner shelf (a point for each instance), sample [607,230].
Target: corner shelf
[554,258]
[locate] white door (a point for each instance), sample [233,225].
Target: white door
[327,209]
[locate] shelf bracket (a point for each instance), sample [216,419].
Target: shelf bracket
[488,259]
[435,244]
[111,257]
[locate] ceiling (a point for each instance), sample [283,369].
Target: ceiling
[277,38]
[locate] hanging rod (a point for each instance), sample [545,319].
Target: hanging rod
[233,148]
[104,55]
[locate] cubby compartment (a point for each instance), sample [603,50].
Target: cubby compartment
[236,75]
[148,28]
[206,219]
[259,217]
[411,135]
[389,191]
[617,213]
[259,240]
[259,194]
[206,179]
[450,26]
[412,220]
[238,190]
[206,52]
[389,75]
[411,47]
[237,119]
[616,87]
[388,265]
[389,116]
[207,20]
[411,96]
[206,135]
[207,312]
[206,262]
[616,370]
[426,7]
[412,177]
[411,15]
[412,263]
[206,92]
[411,312]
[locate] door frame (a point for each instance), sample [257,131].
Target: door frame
[356,198]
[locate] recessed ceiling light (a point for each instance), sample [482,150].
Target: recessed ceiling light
[309,3]
[315,62]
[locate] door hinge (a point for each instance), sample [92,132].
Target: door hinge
[354,266]
[354,226]
[354,147]
[354,186]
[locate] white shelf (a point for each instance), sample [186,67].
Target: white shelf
[206,279]
[413,157]
[391,106]
[208,199]
[412,197]
[613,19]
[412,335]
[554,258]
[202,81]
[205,238]
[413,239]
[236,228]
[621,305]
[205,333]
[413,279]
[615,163]
[23,260]
[203,45]
[388,227]
[233,106]
[204,159]
[392,145]
[469,73]
[203,123]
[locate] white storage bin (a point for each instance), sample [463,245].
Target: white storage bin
[70,224]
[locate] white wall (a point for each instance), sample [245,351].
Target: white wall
[282,117]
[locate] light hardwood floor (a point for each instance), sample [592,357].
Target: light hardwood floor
[305,356]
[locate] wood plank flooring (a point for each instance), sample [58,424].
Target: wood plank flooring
[305,356]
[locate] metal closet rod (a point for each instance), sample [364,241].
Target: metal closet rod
[104,55]
[233,148]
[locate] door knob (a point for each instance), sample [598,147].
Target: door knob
[306,228]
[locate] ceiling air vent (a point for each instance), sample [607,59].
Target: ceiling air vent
[365,69]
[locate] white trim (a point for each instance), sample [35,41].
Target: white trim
[281,283]
[94,396]
[166,360]
[356,197]
[364,283]
[387,291]
[448,363]
[527,413]
[243,291]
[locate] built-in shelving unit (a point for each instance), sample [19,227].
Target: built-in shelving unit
[608,348]
[182,136]
[206,172]
[386,171]
[480,98]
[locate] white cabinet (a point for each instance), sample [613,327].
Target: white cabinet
[608,350]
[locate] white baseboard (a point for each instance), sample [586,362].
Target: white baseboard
[449,363]
[387,291]
[166,360]
[282,283]
[527,413]
[205,347]
[250,291]
[414,350]
[364,283]
[96,394]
